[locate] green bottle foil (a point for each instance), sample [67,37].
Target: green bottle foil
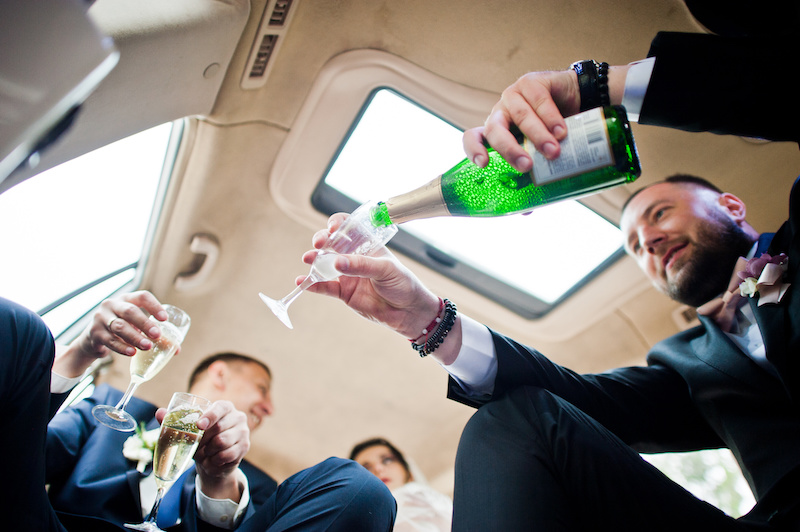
[599,142]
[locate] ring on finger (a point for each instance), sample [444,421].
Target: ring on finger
[108,325]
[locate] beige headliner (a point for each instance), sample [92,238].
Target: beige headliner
[250,158]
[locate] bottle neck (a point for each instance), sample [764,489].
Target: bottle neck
[424,202]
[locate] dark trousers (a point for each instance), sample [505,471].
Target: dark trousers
[334,495]
[26,359]
[532,461]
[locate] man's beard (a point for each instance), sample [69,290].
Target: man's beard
[708,272]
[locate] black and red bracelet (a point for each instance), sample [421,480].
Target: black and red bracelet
[427,330]
[435,339]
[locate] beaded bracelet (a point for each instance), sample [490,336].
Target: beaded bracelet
[602,84]
[437,337]
[432,324]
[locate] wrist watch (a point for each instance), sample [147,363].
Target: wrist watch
[592,83]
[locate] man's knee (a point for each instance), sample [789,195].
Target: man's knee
[363,501]
[522,412]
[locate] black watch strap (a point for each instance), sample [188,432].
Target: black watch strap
[593,83]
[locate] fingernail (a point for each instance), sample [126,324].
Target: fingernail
[145,345]
[558,131]
[549,150]
[480,161]
[130,351]
[342,264]
[523,164]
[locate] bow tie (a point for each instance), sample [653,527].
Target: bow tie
[723,309]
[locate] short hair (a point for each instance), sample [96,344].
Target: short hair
[202,367]
[679,179]
[374,442]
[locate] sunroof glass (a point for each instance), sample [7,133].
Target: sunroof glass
[397,146]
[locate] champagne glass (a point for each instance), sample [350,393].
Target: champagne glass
[177,442]
[144,366]
[357,235]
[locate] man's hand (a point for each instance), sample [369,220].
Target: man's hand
[381,289]
[534,105]
[119,325]
[224,444]
[377,286]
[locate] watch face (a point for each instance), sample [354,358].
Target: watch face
[580,66]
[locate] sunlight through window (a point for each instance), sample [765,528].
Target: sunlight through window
[78,222]
[397,146]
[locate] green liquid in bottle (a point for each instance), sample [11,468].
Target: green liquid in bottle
[498,189]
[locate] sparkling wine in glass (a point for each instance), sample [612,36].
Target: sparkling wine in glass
[357,235]
[144,366]
[177,442]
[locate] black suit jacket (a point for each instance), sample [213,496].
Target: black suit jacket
[94,487]
[738,81]
[698,390]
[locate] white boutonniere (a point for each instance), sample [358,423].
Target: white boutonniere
[140,447]
[763,276]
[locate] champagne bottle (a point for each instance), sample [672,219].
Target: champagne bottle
[598,153]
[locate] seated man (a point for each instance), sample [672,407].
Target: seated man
[94,486]
[26,355]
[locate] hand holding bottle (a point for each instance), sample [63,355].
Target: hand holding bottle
[536,105]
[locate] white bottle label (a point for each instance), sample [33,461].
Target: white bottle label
[586,148]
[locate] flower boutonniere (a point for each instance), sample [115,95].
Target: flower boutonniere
[140,447]
[762,276]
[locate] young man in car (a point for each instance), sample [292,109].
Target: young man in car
[93,484]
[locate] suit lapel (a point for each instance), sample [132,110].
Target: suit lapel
[134,477]
[172,505]
[718,351]
[777,322]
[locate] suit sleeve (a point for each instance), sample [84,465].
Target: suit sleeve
[262,486]
[725,85]
[67,433]
[649,408]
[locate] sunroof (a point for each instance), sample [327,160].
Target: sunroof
[526,262]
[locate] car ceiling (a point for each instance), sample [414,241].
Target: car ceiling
[339,379]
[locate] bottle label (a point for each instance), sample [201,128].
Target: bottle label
[585,148]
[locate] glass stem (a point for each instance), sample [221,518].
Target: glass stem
[294,294]
[156,505]
[128,393]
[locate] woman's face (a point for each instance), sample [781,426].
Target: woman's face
[381,462]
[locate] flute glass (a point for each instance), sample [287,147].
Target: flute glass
[144,366]
[177,442]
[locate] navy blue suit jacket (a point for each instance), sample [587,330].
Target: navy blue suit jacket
[93,485]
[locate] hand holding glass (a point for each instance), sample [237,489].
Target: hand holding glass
[144,366]
[357,235]
[177,442]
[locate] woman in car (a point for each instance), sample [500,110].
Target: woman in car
[419,507]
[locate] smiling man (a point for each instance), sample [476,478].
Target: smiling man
[686,235]
[551,449]
[95,485]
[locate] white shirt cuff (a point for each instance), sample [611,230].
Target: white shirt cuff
[61,384]
[636,82]
[475,367]
[223,513]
